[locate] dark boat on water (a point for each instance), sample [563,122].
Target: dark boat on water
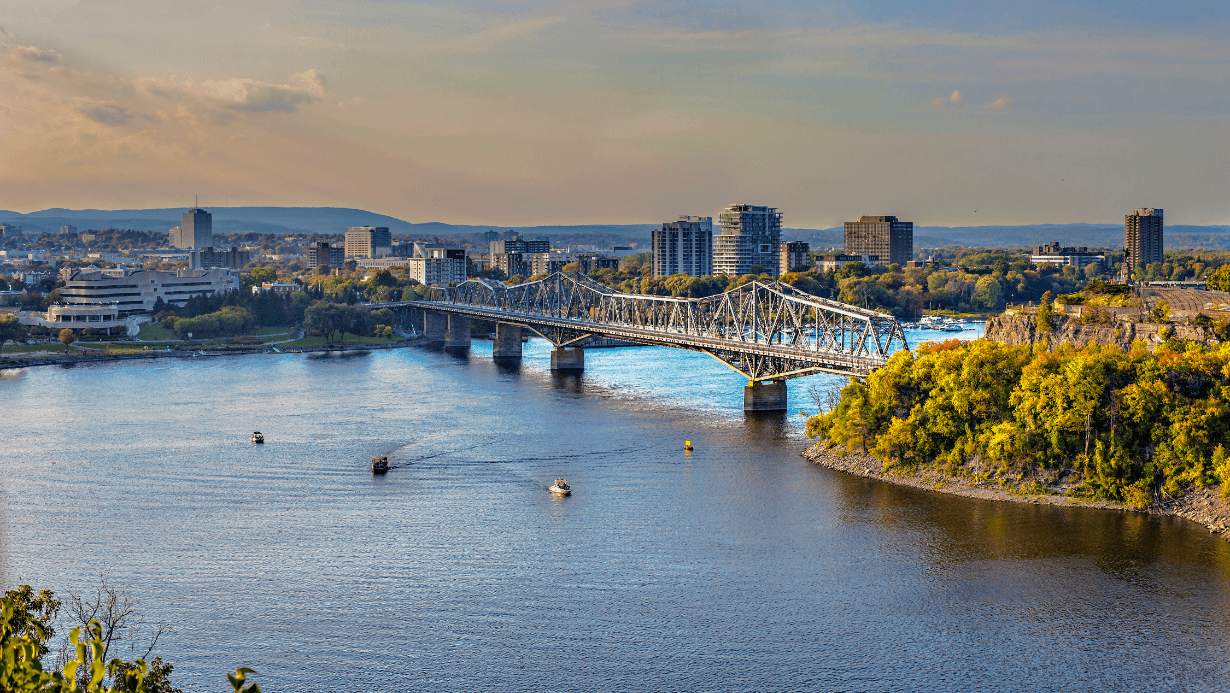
[380,465]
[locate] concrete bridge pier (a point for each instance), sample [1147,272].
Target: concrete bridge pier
[568,359]
[435,326]
[766,395]
[507,345]
[458,332]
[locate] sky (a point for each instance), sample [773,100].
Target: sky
[510,112]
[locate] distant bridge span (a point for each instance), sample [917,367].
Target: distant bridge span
[765,331]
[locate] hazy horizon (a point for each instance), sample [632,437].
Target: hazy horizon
[551,113]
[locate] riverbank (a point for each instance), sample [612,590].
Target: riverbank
[13,363]
[1203,505]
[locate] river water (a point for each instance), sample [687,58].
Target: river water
[737,567]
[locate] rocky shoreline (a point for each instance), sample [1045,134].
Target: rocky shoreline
[1204,505]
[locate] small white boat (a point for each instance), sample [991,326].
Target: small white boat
[561,487]
[258,437]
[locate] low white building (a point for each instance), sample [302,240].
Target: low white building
[137,290]
[1060,256]
[279,288]
[828,263]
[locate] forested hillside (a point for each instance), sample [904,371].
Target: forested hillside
[1135,427]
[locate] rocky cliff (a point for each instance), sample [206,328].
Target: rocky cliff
[1022,328]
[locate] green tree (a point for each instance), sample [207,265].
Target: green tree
[1046,312]
[1160,313]
[11,328]
[260,275]
[25,629]
[1219,280]
[988,293]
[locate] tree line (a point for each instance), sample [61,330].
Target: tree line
[1134,427]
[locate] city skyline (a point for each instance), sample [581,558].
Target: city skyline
[559,114]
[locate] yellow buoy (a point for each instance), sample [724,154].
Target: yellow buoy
[687,445]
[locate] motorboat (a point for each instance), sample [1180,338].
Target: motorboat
[561,487]
[380,465]
[258,437]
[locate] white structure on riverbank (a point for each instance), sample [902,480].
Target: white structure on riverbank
[137,290]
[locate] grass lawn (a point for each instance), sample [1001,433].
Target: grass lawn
[111,347]
[311,340]
[27,348]
[276,329]
[156,333]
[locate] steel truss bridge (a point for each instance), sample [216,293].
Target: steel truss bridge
[765,331]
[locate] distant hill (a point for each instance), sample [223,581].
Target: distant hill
[334,220]
[281,220]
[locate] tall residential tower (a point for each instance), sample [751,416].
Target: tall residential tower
[684,247]
[749,236]
[1142,237]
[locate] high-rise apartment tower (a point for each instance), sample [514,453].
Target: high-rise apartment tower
[749,235]
[884,237]
[684,247]
[1142,237]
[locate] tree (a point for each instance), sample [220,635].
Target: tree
[11,328]
[988,293]
[1046,309]
[1160,312]
[25,629]
[1219,280]
[32,610]
[263,274]
[67,336]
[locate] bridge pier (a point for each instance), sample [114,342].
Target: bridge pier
[435,326]
[568,359]
[767,395]
[458,332]
[507,345]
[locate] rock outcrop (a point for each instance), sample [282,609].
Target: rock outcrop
[1022,328]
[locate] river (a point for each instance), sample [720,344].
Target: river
[736,567]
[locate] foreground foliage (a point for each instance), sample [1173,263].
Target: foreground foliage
[1132,427]
[25,634]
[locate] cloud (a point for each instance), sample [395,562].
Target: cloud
[1002,102]
[954,97]
[105,113]
[240,93]
[33,54]
[4,33]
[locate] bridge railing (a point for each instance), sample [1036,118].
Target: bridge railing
[756,313]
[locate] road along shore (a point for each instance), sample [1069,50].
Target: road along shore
[1203,505]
